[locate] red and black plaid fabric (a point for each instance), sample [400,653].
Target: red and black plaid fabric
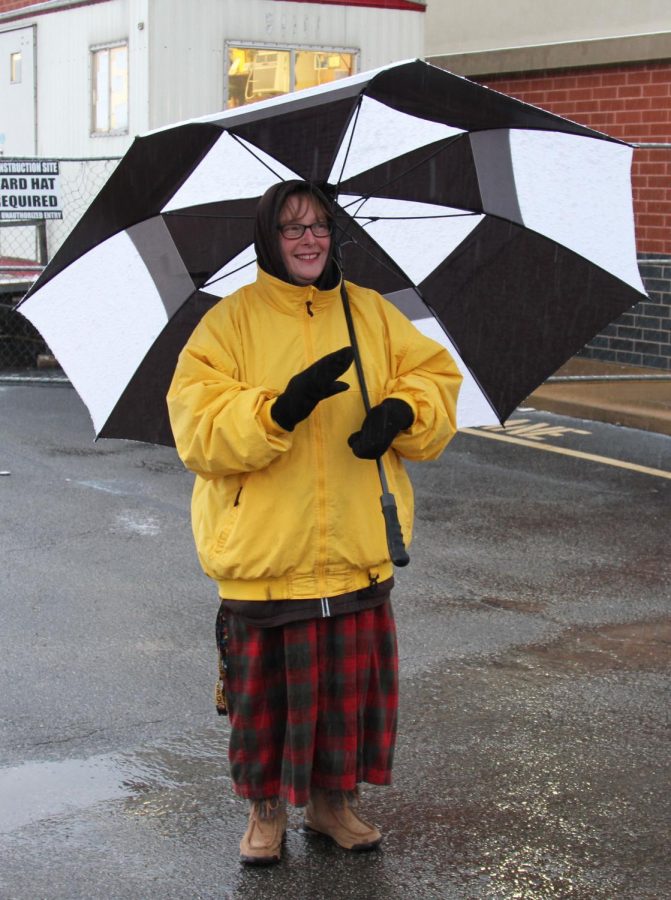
[312,703]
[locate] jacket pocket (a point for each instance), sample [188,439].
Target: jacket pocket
[229,520]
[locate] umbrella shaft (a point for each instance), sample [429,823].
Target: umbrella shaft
[359,371]
[355,347]
[395,541]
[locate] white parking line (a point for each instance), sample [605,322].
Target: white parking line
[564,451]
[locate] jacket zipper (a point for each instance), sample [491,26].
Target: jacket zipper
[316,427]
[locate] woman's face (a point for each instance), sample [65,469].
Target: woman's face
[305,257]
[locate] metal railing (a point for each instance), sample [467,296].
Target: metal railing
[566,379]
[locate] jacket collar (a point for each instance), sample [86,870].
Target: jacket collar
[292,298]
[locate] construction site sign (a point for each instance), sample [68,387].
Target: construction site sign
[30,189]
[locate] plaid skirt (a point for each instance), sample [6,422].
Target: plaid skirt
[311,703]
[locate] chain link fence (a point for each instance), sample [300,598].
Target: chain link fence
[27,246]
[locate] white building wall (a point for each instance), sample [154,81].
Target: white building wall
[64,77]
[18,109]
[176,57]
[187,43]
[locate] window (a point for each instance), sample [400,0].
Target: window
[257,73]
[109,82]
[15,68]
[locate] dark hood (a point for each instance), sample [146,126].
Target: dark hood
[266,238]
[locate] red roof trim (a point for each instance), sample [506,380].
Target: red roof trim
[410,5]
[24,10]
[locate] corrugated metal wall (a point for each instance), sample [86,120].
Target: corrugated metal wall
[17,98]
[188,41]
[64,39]
[176,53]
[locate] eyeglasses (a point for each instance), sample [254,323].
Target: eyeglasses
[294,231]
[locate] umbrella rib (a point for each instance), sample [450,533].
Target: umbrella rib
[417,291]
[370,219]
[195,215]
[354,216]
[345,231]
[351,138]
[227,274]
[442,145]
[247,147]
[376,258]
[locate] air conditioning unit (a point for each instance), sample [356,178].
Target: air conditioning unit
[269,74]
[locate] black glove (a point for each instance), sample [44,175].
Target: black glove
[380,427]
[313,384]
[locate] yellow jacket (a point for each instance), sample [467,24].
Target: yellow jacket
[292,515]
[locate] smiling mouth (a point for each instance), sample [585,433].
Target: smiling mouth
[307,257]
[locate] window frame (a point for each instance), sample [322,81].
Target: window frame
[292,49]
[16,57]
[93,50]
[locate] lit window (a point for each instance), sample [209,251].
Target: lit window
[15,68]
[110,90]
[257,73]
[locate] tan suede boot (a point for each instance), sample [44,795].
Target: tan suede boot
[261,844]
[331,813]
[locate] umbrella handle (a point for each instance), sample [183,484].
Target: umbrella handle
[397,552]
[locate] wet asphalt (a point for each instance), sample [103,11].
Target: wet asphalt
[534,633]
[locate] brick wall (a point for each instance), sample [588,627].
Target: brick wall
[642,336]
[633,103]
[8,5]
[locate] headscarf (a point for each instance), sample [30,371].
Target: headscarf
[266,235]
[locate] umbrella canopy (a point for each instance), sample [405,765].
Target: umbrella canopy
[501,230]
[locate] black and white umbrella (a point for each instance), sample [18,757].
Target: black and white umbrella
[501,230]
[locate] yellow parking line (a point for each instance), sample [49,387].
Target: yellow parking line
[646,470]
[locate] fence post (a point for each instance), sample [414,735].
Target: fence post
[42,254]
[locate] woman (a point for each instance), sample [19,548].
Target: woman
[267,411]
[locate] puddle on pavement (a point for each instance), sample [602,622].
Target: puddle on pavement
[177,776]
[629,647]
[507,604]
[533,781]
[39,790]
[544,768]
[514,605]
[154,781]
